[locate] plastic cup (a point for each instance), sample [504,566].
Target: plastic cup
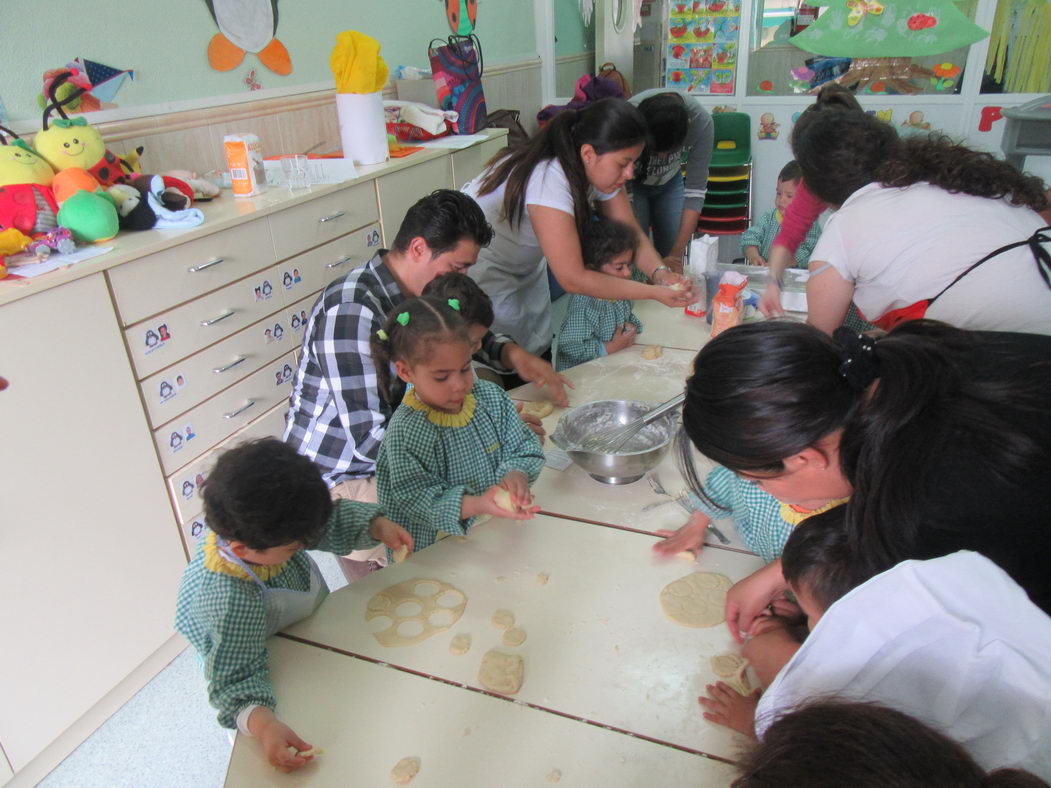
[296,170]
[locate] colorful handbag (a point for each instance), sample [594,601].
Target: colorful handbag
[456,66]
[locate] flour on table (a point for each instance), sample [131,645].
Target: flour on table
[515,636]
[405,769]
[651,352]
[500,672]
[697,600]
[417,609]
[731,668]
[503,619]
[460,644]
[539,409]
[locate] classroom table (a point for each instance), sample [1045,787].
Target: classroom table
[670,327]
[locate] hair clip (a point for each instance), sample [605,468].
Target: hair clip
[455,303]
[382,335]
[403,318]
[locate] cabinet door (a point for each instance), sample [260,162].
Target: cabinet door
[400,190]
[90,555]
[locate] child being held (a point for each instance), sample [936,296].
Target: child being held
[758,239]
[251,577]
[455,445]
[596,327]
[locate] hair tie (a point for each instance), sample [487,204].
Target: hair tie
[403,318]
[858,353]
[382,335]
[454,303]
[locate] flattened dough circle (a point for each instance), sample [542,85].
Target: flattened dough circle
[460,644]
[515,636]
[541,409]
[651,352]
[697,600]
[405,769]
[503,619]
[500,672]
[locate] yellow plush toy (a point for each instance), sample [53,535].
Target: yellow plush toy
[25,179]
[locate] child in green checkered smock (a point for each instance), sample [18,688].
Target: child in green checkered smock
[763,522]
[454,443]
[758,239]
[596,327]
[251,577]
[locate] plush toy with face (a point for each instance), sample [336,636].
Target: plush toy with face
[27,203]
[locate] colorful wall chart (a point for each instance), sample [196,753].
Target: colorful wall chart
[702,45]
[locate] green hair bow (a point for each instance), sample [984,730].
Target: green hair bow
[382,335]
[455,303]
[403,318]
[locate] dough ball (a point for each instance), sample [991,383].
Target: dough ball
[697,600]
[400,554]
[503,619]
[540,409]
[542,578]
[515,636]
[678,287]
[313,752]
[651,352]
[460,644]
[405,769]
[500,672]
[503,500]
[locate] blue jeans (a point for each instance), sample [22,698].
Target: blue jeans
[659,208]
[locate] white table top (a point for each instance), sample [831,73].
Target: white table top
[598,647]
[670,327]
[367,717]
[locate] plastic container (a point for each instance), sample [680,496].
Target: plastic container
[362,127]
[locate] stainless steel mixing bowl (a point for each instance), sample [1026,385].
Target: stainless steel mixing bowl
[627,465]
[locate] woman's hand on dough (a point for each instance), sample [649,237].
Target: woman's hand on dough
[390,533]
[532,421]
[770,300]
[726,706]
[689,537]
[666,292]
[674,262]
[277,741]
[748,598]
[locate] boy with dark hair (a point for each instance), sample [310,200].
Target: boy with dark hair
[758,239]
[251,577]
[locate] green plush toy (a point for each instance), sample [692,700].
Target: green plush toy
[90,216]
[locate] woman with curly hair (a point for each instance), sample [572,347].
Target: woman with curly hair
[924,227]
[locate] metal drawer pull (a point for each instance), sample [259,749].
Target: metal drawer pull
[240,410]
[341,261]
[333,216]
[231,365]
[202,266]
[214,320]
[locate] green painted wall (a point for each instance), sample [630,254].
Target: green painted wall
[570,34]
[166,43]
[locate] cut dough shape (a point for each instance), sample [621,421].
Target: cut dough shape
[405,769]
[460,644]
[651,352]
[541,409]
[515,636]
[542,578]
[503,619]
[732,668]
[697,600]
[500,672]
[554,775]
[400,554]
[425,593]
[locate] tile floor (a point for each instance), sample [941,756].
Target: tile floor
[166,735]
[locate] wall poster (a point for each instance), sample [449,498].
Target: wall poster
[702,45]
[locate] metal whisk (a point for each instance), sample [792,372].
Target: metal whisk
[609,442]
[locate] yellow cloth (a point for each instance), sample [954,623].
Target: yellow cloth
[216,562]
[794,516]
[356,63]
[440,417]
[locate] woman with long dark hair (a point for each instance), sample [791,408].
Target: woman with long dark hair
[537,197]
[941,438]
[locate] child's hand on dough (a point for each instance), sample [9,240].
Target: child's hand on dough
[689,537]
[726,706]
[390,533]
[278,741]
[517,484]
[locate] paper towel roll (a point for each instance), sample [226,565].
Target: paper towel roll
[362,127]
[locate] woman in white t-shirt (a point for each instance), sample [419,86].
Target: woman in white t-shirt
[537,198]
[924,227]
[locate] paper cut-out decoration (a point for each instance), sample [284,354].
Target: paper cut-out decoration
[766,86]
[462,16]
[858,9]
[943,76]
[246,26]
[251,82]
[768,127]
[1019,55]
[988,117]
[99,81]
[916,121]
[881,114]
[723,108]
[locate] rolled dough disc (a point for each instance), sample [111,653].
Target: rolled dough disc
[651,352]
[503,619]
[515,636]
[387,601]
[460,644]
[500,672]
[405,769]
[541,409]
[697,600]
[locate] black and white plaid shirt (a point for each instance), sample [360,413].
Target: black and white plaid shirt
[336,415]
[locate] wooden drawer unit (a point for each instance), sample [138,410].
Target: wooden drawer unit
[162,280]
[298,316]
[312,223]
[400,190]
[171,336]
[184,486]
[187,437]
[311,271]
[188,383]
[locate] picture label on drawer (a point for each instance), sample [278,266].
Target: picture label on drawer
[177,439]
[283,375]
[299,321]
[373,239]
[264,290]
[289,279]
[274,333]
[197,526]
[156,337]
[170,388]
[191,486]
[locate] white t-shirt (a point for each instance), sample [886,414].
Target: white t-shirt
[952,641]
[511,270]
[903,245]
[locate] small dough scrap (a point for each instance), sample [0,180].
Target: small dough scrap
[542,578]
[696,600]
[460,644]
[515,636]
[541,409]
[313,752]
[405,769]
[651,352]
[503,500]
[500,672]
[400,554]
[503,619]
[554,775]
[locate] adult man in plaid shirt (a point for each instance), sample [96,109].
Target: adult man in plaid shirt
[336,415]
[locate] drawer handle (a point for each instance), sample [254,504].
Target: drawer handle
[219,319]
[341,261]
[333,216]
[240,410]
[231,365]
[202,266]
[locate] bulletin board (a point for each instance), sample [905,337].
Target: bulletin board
[703,38]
